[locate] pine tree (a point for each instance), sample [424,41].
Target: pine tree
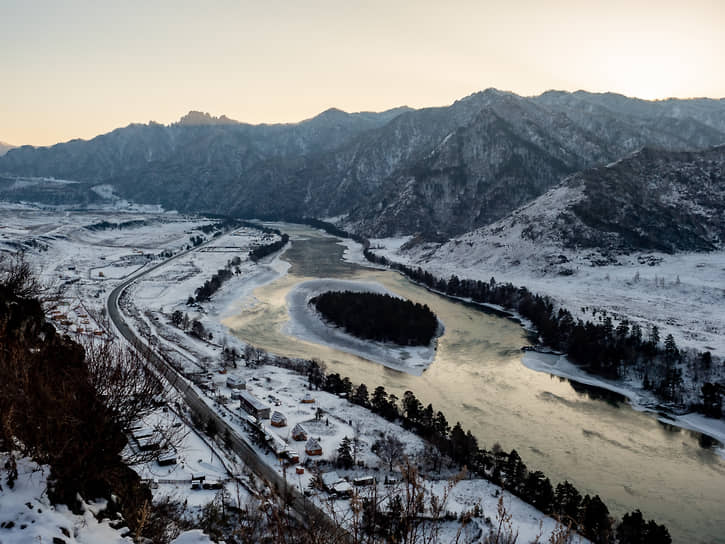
[344,453]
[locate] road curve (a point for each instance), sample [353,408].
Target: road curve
[304,510]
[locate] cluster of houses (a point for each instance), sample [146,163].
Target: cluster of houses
[259,410]
[84,325]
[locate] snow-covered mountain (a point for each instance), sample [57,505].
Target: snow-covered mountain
[650,201]
[436,171]
[515,149]
[642,238]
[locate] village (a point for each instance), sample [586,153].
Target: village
[295,429]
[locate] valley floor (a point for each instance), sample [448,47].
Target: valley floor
[89,263]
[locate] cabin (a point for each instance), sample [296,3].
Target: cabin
[299,433]
[235,382]
[307,399]
[278,419]
[141,432]
[313,447]
[252,405]
[299,469]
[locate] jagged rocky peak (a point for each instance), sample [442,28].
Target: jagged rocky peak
[198,118]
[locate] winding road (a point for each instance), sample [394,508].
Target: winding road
[303,509]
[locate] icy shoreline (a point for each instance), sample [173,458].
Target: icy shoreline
[306,324]
[560,366]
[639,400]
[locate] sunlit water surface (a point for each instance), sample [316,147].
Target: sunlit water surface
[589,437]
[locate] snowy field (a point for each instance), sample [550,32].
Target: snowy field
[681,294]
[89,263]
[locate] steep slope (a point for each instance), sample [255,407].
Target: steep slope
[436,171]
[651,201]
[480,172]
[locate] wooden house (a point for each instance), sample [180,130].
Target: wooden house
[278,419]
[313,447]
[299,433]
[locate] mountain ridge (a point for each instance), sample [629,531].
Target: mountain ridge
[437,171]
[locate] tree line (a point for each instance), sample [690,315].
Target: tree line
[212,285]
[601,347]
[262,251]
[587,514]
[378,317]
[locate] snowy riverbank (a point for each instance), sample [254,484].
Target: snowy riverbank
[639,399]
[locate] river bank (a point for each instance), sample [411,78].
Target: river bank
[568,431]
[639,399]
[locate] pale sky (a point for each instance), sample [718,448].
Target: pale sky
[75,69]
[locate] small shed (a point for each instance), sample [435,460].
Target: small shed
[307,399]
[364,480]
[299,433]
[313,447]
[236,394]
[278,419]
[342,489]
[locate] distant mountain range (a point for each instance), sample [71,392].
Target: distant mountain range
[438,172]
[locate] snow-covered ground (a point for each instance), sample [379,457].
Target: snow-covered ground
[92,262]
[26,514]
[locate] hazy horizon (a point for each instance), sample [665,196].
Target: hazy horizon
[79,69]
[295,121]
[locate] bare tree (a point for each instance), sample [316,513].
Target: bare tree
[17,276]
[130,390]
[390,449]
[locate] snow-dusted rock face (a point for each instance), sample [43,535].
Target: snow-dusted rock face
[436,171]
[651,201]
